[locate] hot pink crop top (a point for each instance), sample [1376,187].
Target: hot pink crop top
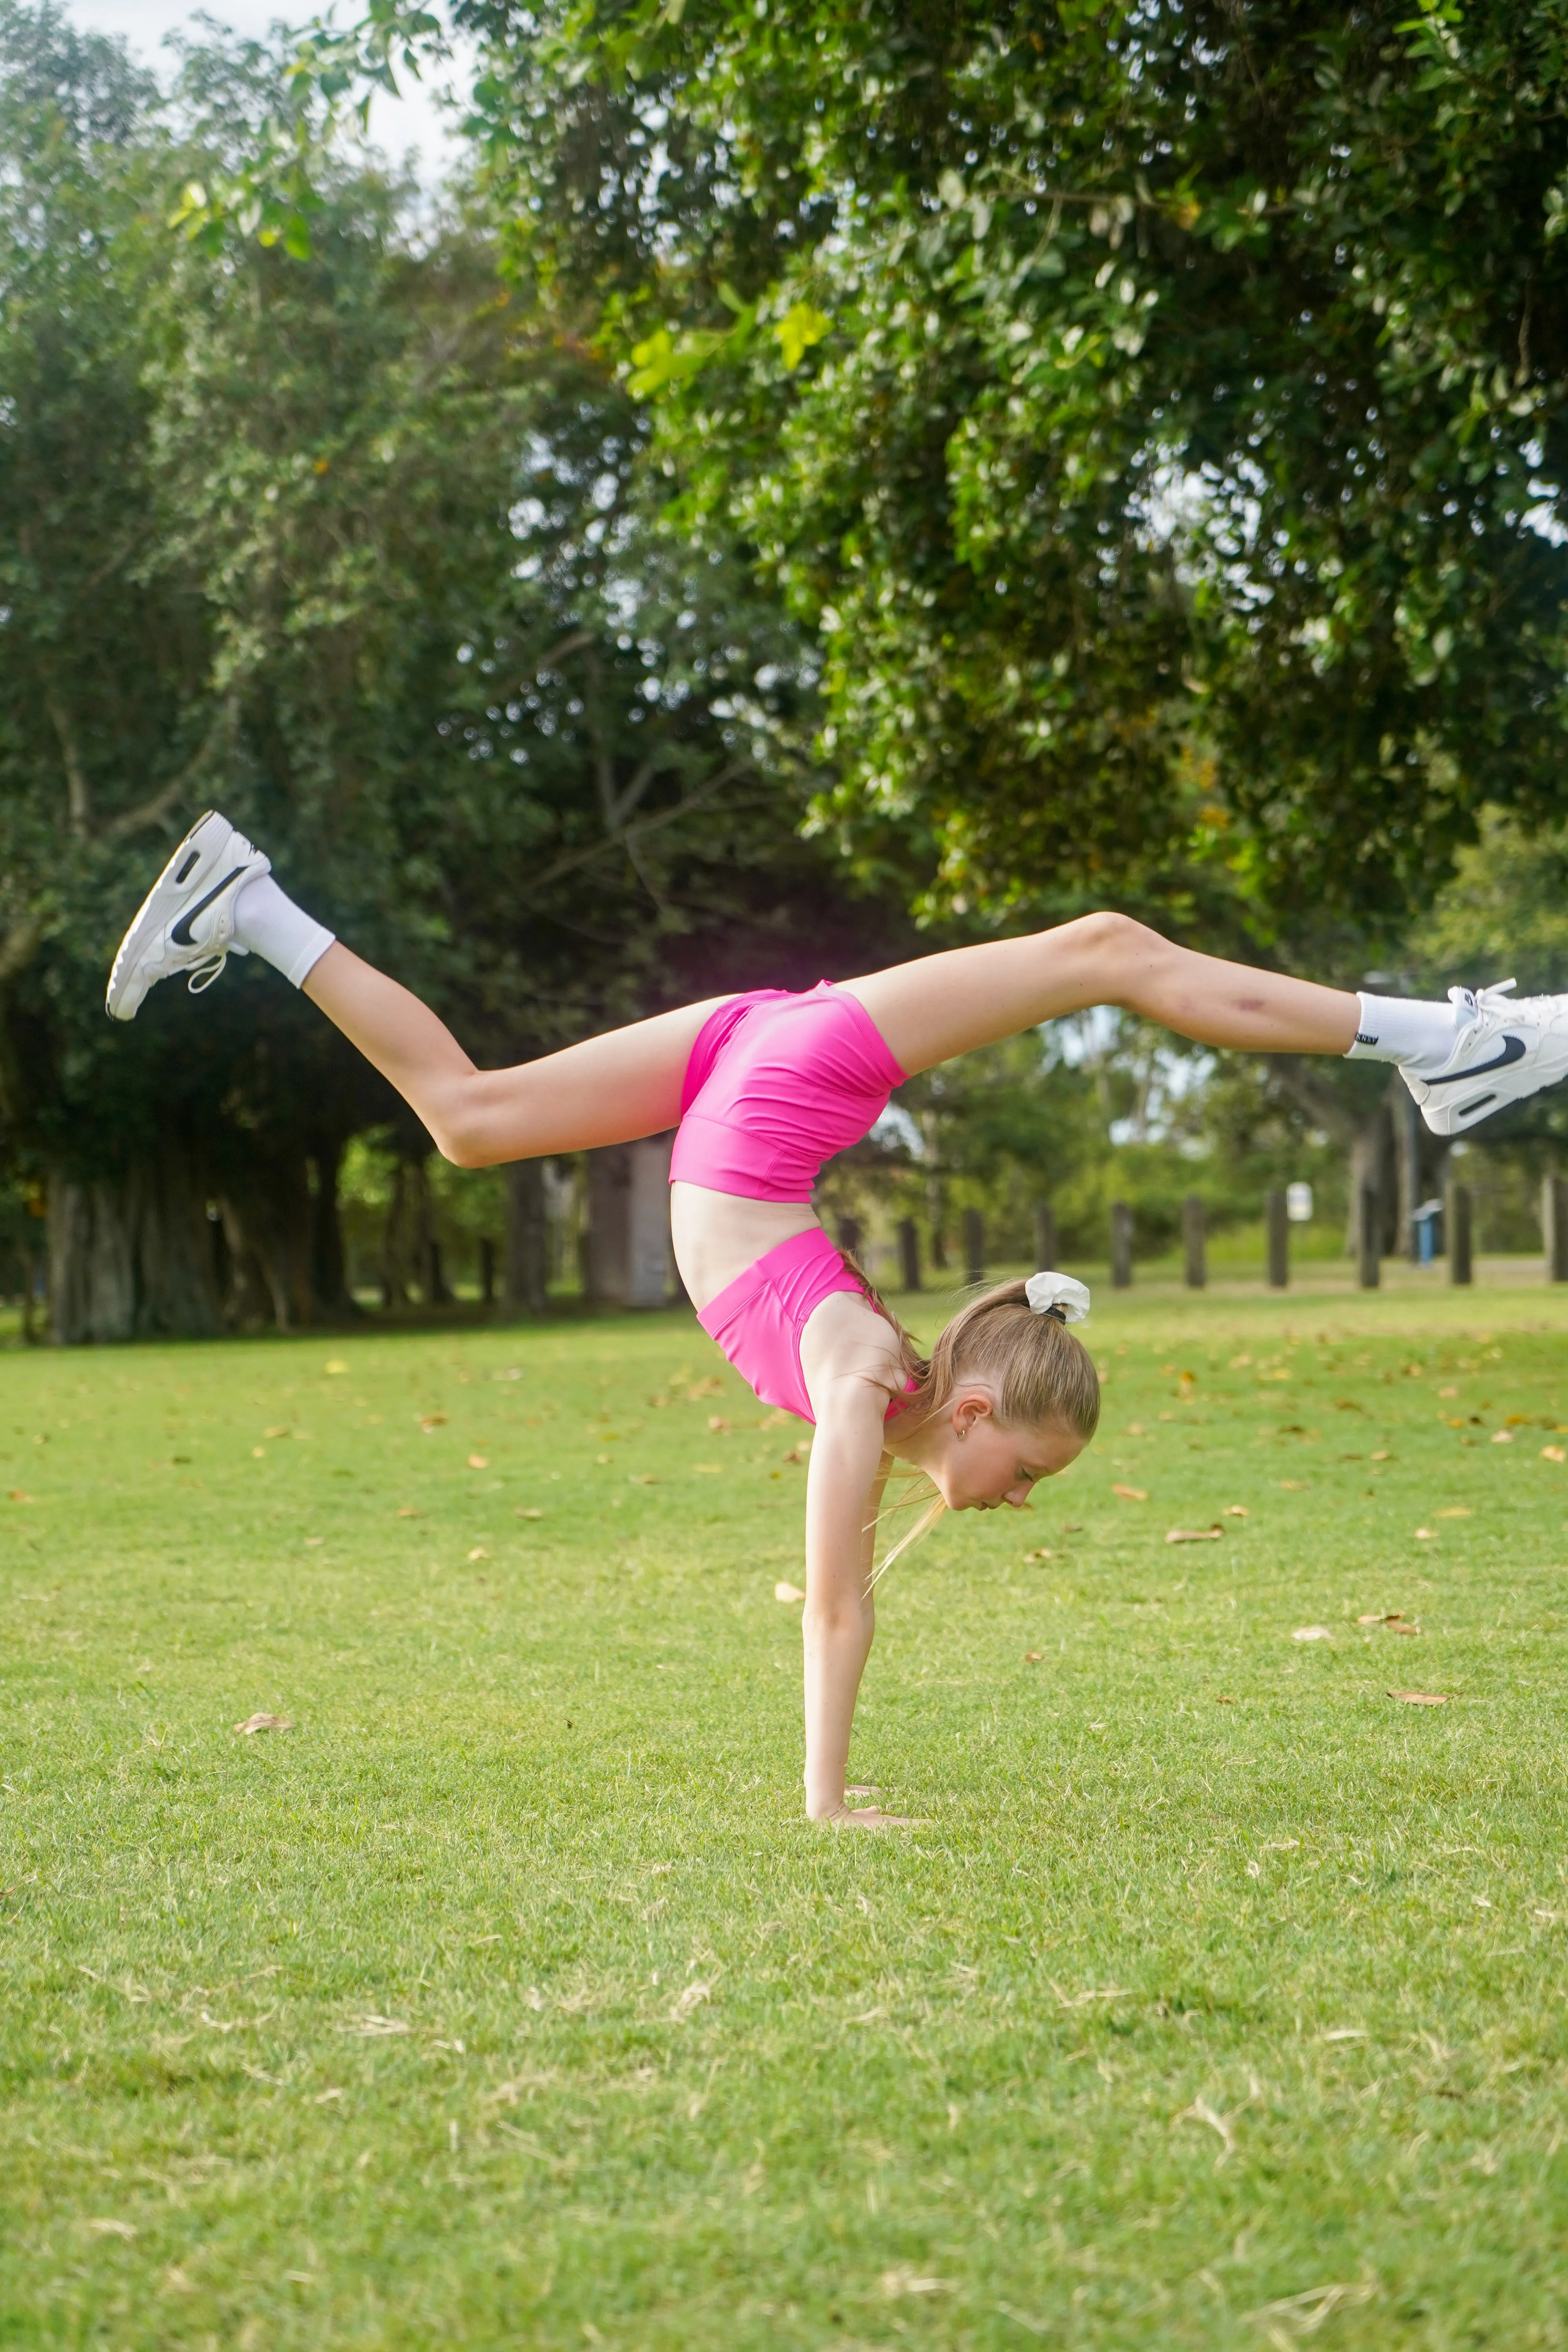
[776,1084]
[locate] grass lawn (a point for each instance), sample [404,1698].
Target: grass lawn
[507,1999]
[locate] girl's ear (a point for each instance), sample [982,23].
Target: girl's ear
[968,1410]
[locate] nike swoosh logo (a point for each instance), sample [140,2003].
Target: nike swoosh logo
[181,933]
[1513,1050]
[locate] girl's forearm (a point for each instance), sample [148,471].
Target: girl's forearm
[837,1648]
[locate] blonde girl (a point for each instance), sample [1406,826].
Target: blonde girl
[761,1089]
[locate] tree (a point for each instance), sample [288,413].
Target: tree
[350,550]
[1117,392]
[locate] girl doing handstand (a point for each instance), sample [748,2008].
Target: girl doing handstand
[762,1089]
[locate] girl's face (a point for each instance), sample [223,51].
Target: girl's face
[983,1464]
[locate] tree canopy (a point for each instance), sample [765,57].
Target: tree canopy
[345,542]
[1158,412]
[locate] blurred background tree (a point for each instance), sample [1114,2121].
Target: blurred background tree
[349,547]
[819,484]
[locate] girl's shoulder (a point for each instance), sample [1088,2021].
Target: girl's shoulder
[847,1338]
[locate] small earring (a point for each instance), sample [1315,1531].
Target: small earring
[963,1433]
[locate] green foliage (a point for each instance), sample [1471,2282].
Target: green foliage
[346,544]
[508,1999]
[1181,369]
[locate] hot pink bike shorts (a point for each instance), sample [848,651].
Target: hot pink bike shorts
[777,1083]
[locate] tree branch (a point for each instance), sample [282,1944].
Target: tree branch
[159,803]
[642,825]
[1309,1094]
[77,797]
[19,945]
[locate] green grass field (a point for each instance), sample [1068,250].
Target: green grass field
[508,1999]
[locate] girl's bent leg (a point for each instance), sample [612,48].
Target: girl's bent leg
[947,1005]
[609,1089]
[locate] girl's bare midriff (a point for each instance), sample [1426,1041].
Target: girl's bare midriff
[718,1236]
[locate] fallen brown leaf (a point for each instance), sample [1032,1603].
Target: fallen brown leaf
[1553,1454]
[1233,1511]
[431,1421]
[18,1496]
[478,1552]
[1422,1698]
[1224,1700]
[280,1431]
[711,1386]
[264,1723]
[1131,1494]
[797,1453]
[1293,1486]
[1193,1535]
[408,1511]
[1502,1437]
[1312,1634]
[1383,1454]
[478,1461]
[528,1514]
[785,1590]
[1032,1657]
[1045,1552]
[1397,1625]
[1425,1534]
[718,1424]
[904,2281]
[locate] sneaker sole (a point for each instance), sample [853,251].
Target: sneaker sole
[119,1003]
[1455,1118]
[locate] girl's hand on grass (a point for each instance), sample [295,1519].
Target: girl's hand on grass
[870,1817]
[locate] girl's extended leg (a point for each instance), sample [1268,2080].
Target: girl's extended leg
[609,1089]
[946,1004]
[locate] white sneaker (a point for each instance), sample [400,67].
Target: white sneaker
[1506,1051]
[186,922]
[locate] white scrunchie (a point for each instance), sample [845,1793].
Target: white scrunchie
[1044,1291]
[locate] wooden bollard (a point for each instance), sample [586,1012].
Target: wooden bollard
[1045,1236]
[1278,1226]
[1554,1227]
[1194,1244]
[909,1253]
[1456,1219]
[1369,1271]
[1121,1245]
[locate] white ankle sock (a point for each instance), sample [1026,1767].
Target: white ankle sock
[1409,1029]
[268,923]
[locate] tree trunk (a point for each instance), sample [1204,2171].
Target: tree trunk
[405,1236]
[130,1257]
[628,1223]
[268,1224]
[329,1269]
[527,1238]
[1372,1169]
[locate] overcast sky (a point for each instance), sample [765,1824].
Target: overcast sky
[414,120]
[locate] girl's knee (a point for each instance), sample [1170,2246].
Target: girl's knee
[1112,940]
